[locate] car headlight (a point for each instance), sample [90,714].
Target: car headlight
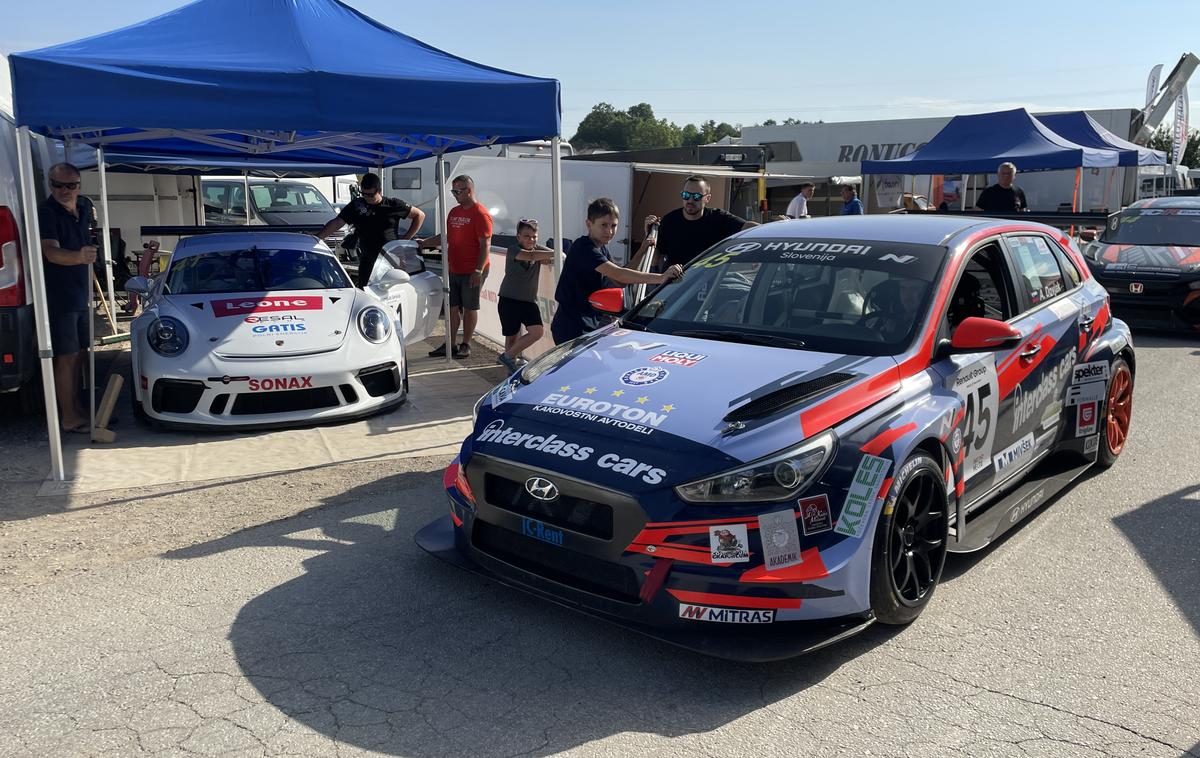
[167,336]
[374,324]
[545,362]
[782,476]
[1092,251]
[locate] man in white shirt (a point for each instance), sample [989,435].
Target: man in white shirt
[798,208]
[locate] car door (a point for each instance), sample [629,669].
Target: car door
[983,288]
[1034,380]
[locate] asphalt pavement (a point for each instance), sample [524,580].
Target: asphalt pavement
[331,633]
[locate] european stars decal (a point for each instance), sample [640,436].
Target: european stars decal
[590,390]
[668,408]
[618,393]
[642,399]
[564,389]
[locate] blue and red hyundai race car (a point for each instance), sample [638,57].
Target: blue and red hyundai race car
[780,448]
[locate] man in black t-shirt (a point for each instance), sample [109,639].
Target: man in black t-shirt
[375,217]
[1003,196]
[686,232]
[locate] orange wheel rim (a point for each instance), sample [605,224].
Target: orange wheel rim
[1120,406]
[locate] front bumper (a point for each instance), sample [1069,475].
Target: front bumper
[268,394]
[1162,304]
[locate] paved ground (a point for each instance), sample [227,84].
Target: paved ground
[293,615]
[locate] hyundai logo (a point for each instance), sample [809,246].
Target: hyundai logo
[743,247]
[541,489]
[1135,288]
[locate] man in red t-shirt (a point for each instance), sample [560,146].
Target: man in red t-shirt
[468,242]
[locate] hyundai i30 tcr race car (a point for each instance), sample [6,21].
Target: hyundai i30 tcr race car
[263,329]
[1149,261]
[780,448]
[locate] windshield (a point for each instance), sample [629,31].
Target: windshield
[839,296]
[254,270]
[289,198]
[1157,226]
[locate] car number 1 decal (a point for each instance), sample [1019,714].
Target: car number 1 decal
[980,391]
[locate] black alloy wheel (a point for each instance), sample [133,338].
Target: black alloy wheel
[910,542]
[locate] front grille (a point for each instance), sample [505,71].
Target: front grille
[1146,314]
[558,564]
[348,393]
[176,395]
[781,400]
[576,514]
[218,404]
[255,403]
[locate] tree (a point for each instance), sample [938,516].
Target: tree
[607,128]
[1164,139]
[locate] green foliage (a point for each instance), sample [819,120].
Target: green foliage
[607,128]
[1164,139]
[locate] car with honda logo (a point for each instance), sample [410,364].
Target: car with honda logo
[1148,259]
[780,448]
[266,329]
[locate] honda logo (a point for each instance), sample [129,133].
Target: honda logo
[541,489]
[1136,288]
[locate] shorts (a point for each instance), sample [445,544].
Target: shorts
[462,294]
[514,313]
[69,332]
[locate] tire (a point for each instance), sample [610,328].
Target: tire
[31,396]
[910,542]
[1118,412]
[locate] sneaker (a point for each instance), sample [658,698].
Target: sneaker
[509,363]
[462,351]
[438,352]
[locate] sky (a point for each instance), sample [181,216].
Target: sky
[745,63]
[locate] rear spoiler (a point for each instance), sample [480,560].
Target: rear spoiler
[191,231]
[1106,220]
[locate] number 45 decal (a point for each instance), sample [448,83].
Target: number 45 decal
[976,384]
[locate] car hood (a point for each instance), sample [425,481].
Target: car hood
[267,324]
[744,400]
[1111,258]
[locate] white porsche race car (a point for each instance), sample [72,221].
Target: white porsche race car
[266,329]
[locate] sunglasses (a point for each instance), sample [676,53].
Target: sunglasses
[456,192]
[693,195]
[527,221]
[64,185]
[370,193]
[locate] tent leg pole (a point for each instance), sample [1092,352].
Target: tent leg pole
[41,316]
[107,227]
[441,209]
[556,200]
[198,196]
[245,183]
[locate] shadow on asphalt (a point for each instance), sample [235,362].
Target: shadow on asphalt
[384,647]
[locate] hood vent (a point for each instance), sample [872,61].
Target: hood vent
[782,399]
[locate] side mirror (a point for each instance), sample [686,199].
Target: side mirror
[138,285]
[609,301]
[976,334]
[393,278]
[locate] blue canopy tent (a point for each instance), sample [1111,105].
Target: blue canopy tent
[1082,129]
[978,144]
[295,80]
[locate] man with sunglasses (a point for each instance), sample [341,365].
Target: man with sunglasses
[377,220]
[65,219]
[686,232]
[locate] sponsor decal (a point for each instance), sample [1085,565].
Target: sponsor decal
[498,434]
[1090,372]
[619,333]
[539,531]
[1052,415]
[286,383]
[1012,457]
[780,539]
[678,358]
[1027,505]
[1052,290]
[644,376]
[898,258]
[1091,445]
[1025,404]
[743,247]
[1086,423]
[636,414]
[1091,392]
[864,491]
[883,151]
[244,306]
[501,394]
[814,514]
[260,329]
[956,442]
[728,544]
[725,615]
[639,345]
[947,423]
[631,467]
[829,248]
[1063,309]
[267,319]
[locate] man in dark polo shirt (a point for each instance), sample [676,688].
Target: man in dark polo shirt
[686,232]
[376,218]
[66,223]
[1003,196]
